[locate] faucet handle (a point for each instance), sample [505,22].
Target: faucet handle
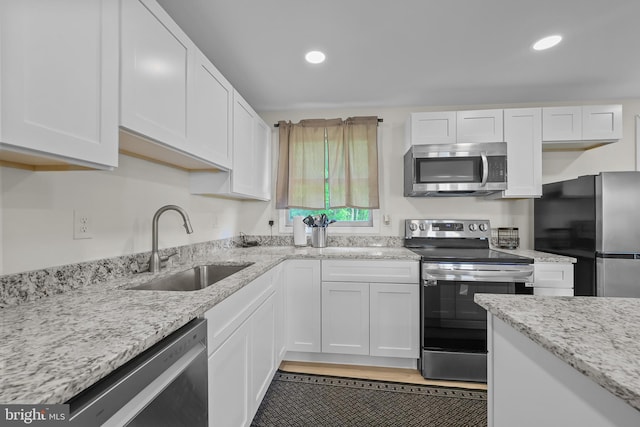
[165,258]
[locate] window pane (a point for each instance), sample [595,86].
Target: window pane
[344,216]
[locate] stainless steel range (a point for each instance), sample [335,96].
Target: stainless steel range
[456,264]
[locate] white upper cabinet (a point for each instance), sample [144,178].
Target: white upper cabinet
[212,107]
[581,127]
[59,83]
[523,134]
[479,126]
[171,94]
[155,63]
[431,128]
[250,177]
[602,122]
[450,127]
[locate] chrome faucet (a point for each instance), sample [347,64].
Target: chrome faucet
[154,261]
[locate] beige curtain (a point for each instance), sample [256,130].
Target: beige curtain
[352,163]
[300,182]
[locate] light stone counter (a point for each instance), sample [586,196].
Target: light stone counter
[599,337]
[538,256]
[54,347]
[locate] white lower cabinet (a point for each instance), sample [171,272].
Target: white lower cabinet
[241,341]
[375,319]
[360,307]
[345,318]
[302,284]
[229,381]
[394,320]
[553,279]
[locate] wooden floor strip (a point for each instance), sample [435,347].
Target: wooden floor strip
[409,376]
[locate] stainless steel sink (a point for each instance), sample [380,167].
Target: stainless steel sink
[191,280]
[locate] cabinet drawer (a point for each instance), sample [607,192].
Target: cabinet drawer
[370,271]
[227,316]
[553,275]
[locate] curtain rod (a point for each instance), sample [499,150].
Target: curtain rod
[277,125]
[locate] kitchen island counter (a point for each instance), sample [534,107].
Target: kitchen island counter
[55,347]
[597,337]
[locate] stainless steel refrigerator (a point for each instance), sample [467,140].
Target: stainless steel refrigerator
[596,219]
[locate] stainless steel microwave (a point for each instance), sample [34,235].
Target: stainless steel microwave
[468,169]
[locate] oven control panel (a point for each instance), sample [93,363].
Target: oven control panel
[448,228]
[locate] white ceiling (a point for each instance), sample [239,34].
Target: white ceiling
[417,52]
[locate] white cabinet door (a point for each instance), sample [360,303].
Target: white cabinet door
[581,123]
[59,80]
[553,275]
[523,134]
[395,319]
[262,154]
[431,128]
[250,177]
[155,73]
[245,160]
[601,122]
[562,123]
[262,352]
[345,317]
[210,111]
[229,381]
[479,126]
[302,288]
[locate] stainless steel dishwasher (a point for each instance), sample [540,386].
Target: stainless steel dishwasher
[164,386]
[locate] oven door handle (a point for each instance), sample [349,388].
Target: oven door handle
[485,169]
[431,275]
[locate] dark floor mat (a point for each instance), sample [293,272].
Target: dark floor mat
[315,400]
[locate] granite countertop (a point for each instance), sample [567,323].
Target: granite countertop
[599,337]
[55,347]
[538,256]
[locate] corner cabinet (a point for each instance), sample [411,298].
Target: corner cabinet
[250,176]
[175,105]
[580,127]
[59,83]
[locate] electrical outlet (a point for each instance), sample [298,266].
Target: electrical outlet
[82,225]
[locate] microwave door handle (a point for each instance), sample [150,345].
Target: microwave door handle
[485,169]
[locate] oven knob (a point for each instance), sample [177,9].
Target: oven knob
[413,227]
[483,227]
[472,227]
[423,227]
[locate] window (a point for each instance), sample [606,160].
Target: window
[345,217]
[330,167]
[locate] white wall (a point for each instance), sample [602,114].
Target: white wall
[36,208]
[502,213]
[37,213]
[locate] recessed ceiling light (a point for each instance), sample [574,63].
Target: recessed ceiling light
[315,57]
[547,42]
